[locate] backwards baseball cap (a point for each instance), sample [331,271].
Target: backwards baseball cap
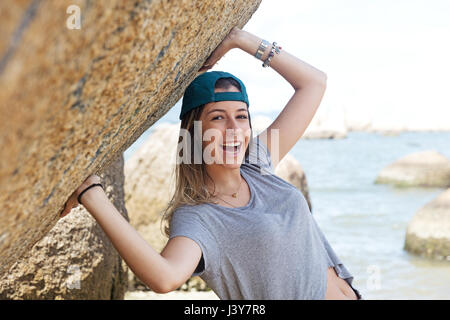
[201,91]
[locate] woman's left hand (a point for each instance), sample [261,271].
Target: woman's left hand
[226,45]
[72,202]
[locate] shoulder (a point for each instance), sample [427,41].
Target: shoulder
[193,217]
[259,155]
[186,212]
[186,222]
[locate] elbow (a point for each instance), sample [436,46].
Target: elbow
[162,289]
[323,79]
[319,80]
[164,286]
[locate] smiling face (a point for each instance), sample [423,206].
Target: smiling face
[226,129]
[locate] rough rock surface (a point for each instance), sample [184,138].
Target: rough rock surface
[419,169]
[149,184]
[72,100]
[428,233]
[75,260]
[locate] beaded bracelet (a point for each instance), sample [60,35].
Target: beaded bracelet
[275,49]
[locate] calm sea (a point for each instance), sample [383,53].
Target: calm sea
[365,222]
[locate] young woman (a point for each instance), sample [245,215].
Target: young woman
[232,221]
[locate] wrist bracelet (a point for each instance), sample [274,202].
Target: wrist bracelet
[275,49]
[261,49]
[92,185]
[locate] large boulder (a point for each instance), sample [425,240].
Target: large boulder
[420,169]
[75,260]
[428,233]
[150,182]
[72,100]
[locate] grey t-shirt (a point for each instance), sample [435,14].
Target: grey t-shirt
[271,248]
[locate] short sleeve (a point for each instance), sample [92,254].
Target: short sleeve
[187,224]
[259,155]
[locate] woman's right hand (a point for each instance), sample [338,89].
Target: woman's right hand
[226,45]
[72,202]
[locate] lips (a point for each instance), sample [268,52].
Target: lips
[232,147]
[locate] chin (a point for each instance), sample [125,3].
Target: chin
[237,162]
[232,166]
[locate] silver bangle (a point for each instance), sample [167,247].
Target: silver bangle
[261,49]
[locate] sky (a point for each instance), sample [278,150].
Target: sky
[387,62]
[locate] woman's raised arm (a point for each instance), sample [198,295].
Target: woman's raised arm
[308,82]
[163,272]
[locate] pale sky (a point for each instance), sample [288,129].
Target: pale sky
[387,62]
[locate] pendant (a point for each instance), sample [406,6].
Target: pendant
[234,195]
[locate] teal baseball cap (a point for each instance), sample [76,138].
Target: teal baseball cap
[201,91]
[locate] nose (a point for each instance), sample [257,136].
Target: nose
[233,130]
[232,123]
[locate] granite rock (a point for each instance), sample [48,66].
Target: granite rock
[420,169]
[428,233]
[72,100]
[75,259]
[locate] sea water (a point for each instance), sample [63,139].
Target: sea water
[366,222]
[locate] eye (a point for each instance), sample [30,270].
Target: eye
[241,116]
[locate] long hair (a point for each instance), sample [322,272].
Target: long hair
[190,177]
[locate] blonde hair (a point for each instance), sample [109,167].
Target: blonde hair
[190,177]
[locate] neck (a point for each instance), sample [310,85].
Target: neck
[226,181]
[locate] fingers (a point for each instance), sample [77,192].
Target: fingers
[65,211]
[72,202]
[208,65]
[204,68]
[214,58]
[62,211]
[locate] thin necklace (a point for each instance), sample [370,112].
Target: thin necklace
[234,195]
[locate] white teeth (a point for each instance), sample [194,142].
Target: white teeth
[232,144]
